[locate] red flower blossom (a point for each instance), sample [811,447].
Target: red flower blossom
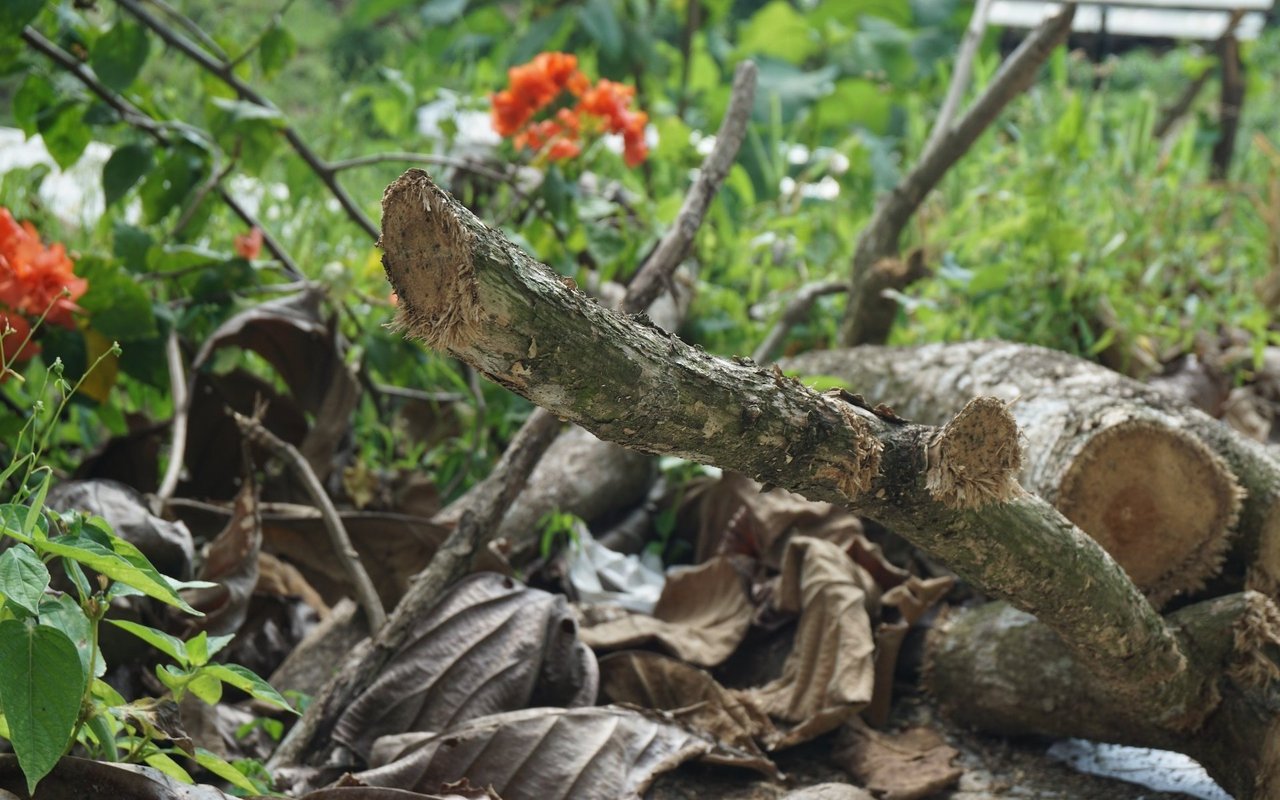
[536,85]
[34,280]
[249,245]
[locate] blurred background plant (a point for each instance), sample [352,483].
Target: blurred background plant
[207,161]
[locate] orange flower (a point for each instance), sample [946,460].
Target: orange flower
[535,85]
[249,245]
[34,278]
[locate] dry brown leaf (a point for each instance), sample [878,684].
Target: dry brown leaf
[912,599]
[910,765]
[392,547]
[281,579]
[352,792]
[596,753]
[701,617]
[231,561]
[82,779]
[490,645]
[830,673]
[692,696]
[735,516]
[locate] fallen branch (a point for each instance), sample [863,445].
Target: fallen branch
[370,603]
[797,309]
[952,491]
[869,314]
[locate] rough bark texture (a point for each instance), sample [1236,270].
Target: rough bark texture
[869,314]
[999,670]
[1154,479]
[634,384]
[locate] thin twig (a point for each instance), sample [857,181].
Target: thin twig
[181,411]
[216,176]
[797,309]
[261,36]
[366,595]
[418,394]
[1175,111]
[191,27]
[134,117]
[478,523]
[674,247]
[221,71]
[968,51]
[868,315]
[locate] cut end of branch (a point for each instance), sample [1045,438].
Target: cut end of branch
[1256,635]
[974,461]
[427,255]
[1264,570]
[1158,500]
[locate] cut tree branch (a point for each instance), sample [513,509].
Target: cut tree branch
[869,315]
[952,491]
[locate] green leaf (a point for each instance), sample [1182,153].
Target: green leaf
[223,770]
[171,646]
[442,12]
[23,577]
[198,649]
[34,95]
[366,12]
[35,503]
[168,766]
[64,613]
[206,686]
[600,21]
[246,680]
[15,14]
[64,132]
[780,31]
[126,167]
[166,186]
[119,54]
[41,691]
[117,567]
[130,244]
[118,305]
[275,50]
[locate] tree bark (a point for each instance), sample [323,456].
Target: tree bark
[1156,480]
[869,315]
[999,670]
[950,490]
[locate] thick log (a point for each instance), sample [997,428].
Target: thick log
[950,490]
[1152,478]
[999,670]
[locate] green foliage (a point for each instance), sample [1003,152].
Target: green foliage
[51,696]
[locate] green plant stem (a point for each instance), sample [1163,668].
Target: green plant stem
[102,732]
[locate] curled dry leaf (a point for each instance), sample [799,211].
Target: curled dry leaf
[690,695]
[911,599]
[392,547]
[81,779]
[910,765]
[595,753]
[701,617]
[231,561]
[830,673]
[490,645]
[736,516]
[307,352]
